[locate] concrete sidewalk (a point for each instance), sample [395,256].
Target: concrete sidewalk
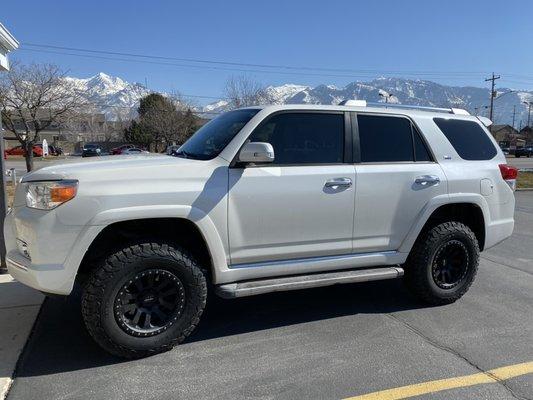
[19,306]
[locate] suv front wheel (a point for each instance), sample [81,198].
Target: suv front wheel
[443,263]
[144,299]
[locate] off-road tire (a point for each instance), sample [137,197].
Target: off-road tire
[418,268]
[101,290]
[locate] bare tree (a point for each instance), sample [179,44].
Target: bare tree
[35,97]
[90,122]
[243,91]
[186,122]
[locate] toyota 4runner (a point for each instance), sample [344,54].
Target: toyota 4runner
[263,199]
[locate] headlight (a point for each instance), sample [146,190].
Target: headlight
[49,195]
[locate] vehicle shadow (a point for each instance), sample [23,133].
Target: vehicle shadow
[59,342]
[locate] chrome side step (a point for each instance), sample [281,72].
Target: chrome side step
[282,284]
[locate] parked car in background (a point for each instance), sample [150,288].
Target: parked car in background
[120,149]
[133,150]
[58,150]
[91,150]
[19,151]
[54,150]
[526,151]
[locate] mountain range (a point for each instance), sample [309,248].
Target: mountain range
[110,94]
[116,97]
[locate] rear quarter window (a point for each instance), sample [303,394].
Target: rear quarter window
[468,138]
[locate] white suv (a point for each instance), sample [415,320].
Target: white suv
[259,200]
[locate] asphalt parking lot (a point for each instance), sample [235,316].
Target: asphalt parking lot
[327,343]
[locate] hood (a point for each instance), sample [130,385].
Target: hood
[113,167]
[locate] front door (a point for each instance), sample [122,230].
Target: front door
[301,205]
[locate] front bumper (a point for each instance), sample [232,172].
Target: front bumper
[56,249]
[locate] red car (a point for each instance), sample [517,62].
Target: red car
[19,151]
[120,149]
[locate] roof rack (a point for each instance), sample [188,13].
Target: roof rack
[364,103]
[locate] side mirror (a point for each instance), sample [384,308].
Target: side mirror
[256,152]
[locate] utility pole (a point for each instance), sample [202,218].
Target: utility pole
[492,93]
[514,113]
[528,103]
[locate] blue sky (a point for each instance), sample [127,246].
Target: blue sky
[452,42]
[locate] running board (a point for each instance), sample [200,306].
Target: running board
[260,286]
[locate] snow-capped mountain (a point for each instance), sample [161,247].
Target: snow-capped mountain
[116,97]
[111,95]
[274,94]
[404,91]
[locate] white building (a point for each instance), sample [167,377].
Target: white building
[7,43]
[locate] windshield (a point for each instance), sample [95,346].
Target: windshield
[211,138]
[90,146]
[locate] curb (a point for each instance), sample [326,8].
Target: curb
[5,385]
[524,189]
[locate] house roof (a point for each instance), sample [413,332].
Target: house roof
[497,128]
[7,40]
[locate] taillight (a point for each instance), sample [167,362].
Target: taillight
[509,174]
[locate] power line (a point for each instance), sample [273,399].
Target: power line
[361,75]
[241,64]
[187,65]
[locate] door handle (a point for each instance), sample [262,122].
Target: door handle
[427,180]
[338,182]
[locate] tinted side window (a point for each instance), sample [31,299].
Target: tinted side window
[303,138]
[421,151]
[385,139]
[467,138]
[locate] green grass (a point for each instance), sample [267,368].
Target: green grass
[525,180]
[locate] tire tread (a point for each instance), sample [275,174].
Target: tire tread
[93,294]
[419,259]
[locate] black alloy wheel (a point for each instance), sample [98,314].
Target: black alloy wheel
[149,303]
[450,264]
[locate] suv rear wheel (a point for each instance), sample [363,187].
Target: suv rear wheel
[144,299]
[443,263]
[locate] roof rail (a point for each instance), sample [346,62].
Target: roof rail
[364,103]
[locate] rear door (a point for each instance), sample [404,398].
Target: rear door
[302,204]
[396,177]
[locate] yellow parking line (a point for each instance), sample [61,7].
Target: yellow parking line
[492,376]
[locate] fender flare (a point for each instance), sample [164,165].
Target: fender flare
[434,204]
[201,220]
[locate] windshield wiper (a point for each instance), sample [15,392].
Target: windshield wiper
[183,154]
[186,154]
